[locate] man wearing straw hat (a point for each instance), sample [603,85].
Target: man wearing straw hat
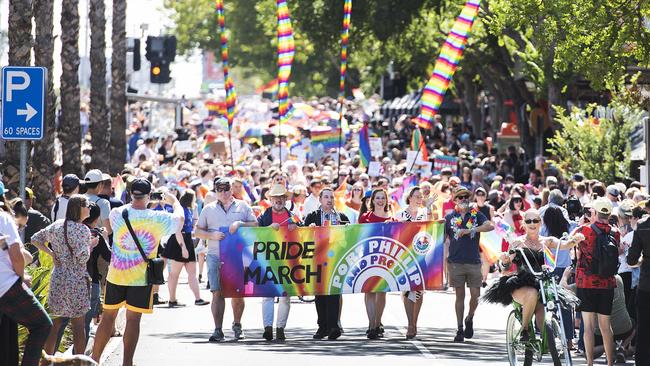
[276,216]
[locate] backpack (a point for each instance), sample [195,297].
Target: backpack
[604,261]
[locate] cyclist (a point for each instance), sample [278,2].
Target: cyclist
[523,286]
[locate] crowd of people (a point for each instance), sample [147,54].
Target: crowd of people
[103,232]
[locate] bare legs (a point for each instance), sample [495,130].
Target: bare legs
[589,321]
[375,304]
[412,310]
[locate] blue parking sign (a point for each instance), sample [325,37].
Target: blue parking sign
[23,102]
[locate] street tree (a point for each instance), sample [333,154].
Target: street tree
[100,124]
[118,88]
[43,159]
[70,131]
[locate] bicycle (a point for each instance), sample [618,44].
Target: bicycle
[552,339]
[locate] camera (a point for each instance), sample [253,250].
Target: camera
[157,196]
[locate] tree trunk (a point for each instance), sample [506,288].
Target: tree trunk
[470,99]
[99,122]
[20,47]
[118,88]
[43,160]
[70,132]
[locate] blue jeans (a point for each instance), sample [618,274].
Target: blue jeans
[95,291]
[214,271]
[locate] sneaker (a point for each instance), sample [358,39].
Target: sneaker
[335,333]
[524,337]
[217,336]
[372,334]
[320,334]
[236,329]
[175,304]
[201,302]
[460,335]
[279,334]
[157,300]
[620,356]
[200,278]
[380,331]
[268,333]
[469,328]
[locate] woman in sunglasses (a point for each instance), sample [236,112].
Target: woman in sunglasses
[522,286]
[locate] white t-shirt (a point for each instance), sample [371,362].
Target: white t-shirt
[61,210]
[7,274]
[311,204]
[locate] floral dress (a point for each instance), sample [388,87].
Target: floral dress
[69,294]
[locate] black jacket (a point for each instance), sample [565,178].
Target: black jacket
[641,244]
[316,218]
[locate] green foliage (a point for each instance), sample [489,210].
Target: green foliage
[595,141]
[41,288]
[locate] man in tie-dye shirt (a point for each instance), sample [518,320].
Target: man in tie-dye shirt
[126,282]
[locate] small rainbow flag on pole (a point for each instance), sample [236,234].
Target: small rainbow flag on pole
[417,143]
[345,36]
[364,145]
[328,138]
[231,96]
[549,258]
[286,50]
[450,55]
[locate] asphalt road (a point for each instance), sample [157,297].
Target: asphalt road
[179,336]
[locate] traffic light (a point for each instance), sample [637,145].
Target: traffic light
[159,73]
[160,51]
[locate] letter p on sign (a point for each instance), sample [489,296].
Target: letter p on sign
[12,85]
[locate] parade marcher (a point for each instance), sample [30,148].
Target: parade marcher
[641,246]
[276,216]
[94,183]
[70,185]
[224,212]
[69,295]
[378,211]
[480,197]
[596,292]
[17,302]
[312,201]
[523,287]
[126,282]
[327,306]
[413,299]
[462,226]
[180,251]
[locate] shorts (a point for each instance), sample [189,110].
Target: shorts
[461,274]
[595,300]
[135,298]
[214,271]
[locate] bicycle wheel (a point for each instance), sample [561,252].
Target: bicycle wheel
[518,353]
[556,343]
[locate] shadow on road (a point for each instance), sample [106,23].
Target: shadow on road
[487,345]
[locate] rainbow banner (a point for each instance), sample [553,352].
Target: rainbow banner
[231,96]
[384,257]
[286,49]
[364,146]
[345,37]
[450,55]
[328,138]
[549,258]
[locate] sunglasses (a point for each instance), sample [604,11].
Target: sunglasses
[223,189]
[532,221]
[517,201]
[460,198]
[357,190]
[481,194]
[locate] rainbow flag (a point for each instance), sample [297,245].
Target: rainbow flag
[490,241]
[264,262]
[231,96]
[450,55]
[208,141]
[329,139]
[549,258]
[340,196]
[119,187]
[364,145]
[345,36]
[286,50]
[417,143]
[398,193]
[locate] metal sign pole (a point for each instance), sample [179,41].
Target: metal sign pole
[23,168]
[647,153]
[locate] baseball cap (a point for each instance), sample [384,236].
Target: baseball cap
[94,176]
[626,207]
[140,187]
[613,190]
[460,190]
[29,194]
[106,177]
[603,205]
[446,171]
[70,181]
[222,181]
[551,180]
